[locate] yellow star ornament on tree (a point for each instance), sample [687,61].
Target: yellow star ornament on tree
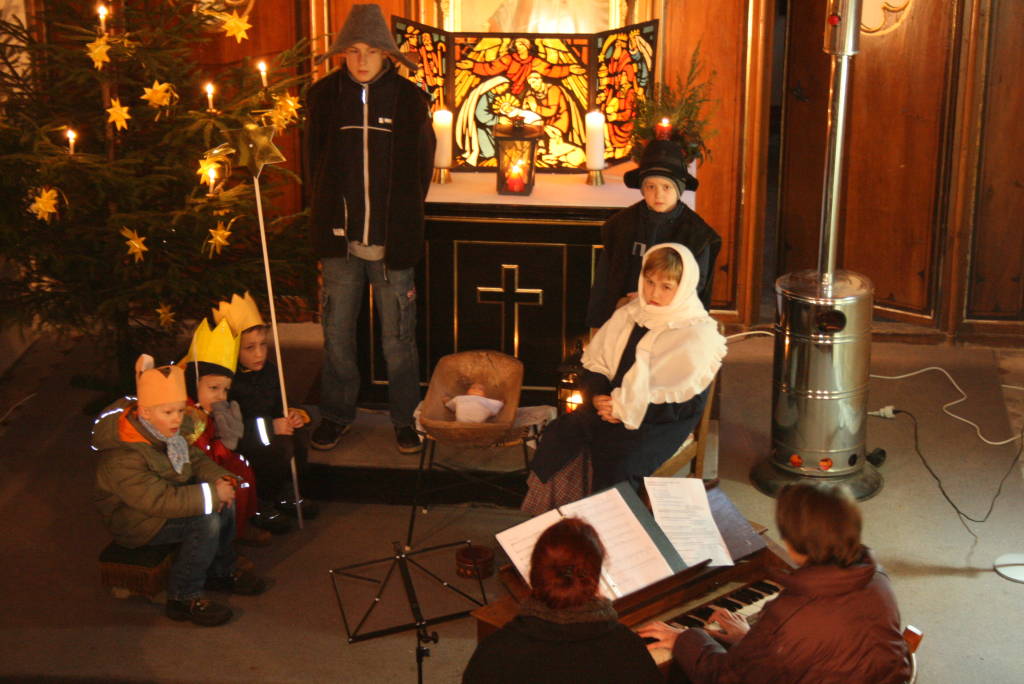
[160,95]
[285,111]
[166,314]
[135,243]
[235,26]
[118,115]
[219,237]
[97,51]
[44,205]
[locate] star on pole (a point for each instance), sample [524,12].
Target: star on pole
[166,314]
[97,51]
[44,205]
[235,26]
[256,148]
[118,115]
[135,243]
[218,238]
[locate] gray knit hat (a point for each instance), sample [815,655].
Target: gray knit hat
[365,24]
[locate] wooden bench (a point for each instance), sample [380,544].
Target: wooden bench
[136,572]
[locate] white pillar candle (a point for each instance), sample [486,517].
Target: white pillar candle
[595,141]
[443,133]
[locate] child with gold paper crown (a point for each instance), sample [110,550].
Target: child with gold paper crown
[270,439]
[152,488]
[209,370]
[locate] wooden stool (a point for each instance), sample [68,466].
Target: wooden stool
[136,572]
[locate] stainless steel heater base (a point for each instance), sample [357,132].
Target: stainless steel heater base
[864,483]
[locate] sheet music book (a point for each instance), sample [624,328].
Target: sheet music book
[681,508]
[638,552]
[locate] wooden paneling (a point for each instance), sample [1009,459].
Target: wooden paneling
[720,29]
[995,290]
[892,220]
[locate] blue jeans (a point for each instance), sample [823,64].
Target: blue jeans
[205,551]
[394,296]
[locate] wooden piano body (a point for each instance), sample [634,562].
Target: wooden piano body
[754,553]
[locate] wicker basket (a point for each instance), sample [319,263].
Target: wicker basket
[502,378]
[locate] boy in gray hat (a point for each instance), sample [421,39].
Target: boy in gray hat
[369,157]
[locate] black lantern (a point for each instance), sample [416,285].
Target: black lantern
[517,153]
[568,393]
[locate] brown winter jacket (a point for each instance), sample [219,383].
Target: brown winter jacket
[830,625]
[137,490]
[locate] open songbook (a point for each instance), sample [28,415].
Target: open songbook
[638,552]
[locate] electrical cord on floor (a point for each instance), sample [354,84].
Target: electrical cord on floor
[961,516]
[945,407]
[730,338]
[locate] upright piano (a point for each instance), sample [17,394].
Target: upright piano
[687,597]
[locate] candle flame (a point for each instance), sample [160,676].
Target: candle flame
[574,400]
[72,136]
[262,66]
[212,173]
[664,121]
[101,10]
[208,88]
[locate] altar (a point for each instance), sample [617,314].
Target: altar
[507,272]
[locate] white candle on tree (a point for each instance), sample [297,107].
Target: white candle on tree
[262,66]
[72,136]
[595,141]
[101,10]
[443,133]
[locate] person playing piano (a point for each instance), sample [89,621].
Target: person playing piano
[835,620]
[565,631]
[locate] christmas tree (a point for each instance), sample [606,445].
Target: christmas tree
[125,211]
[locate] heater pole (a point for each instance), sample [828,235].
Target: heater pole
[842,29]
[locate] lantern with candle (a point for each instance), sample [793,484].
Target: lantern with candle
[568,393]
[516,146]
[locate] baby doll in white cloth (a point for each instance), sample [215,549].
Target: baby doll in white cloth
[474,406]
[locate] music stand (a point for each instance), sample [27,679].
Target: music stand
[402,558]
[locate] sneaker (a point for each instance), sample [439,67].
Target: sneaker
[269,520]
[408,440]
[310,509]
[328,434]
[241,582]
[198,611]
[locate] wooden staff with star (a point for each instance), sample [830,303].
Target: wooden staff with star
[255,147]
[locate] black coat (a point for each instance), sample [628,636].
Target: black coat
[597,650]
[258,394]
[614,276]
[392,131]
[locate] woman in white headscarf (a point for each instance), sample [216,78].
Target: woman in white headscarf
[647,374]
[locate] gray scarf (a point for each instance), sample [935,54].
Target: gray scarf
[177,447]
[597,609]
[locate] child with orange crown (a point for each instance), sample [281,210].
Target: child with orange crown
[209,370]
[270,439]
[152,488]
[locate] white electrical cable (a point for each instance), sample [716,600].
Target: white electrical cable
[11,410]
[945,407]
[729,338]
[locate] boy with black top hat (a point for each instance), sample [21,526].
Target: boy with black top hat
[660,217]
[369,157]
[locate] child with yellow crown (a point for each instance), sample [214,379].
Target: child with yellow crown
[152,488]
[270,439]
[209,370]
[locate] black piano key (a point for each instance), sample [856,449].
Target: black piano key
[766,588]
[728,604]
[746,596]
[687,621]
[702,613]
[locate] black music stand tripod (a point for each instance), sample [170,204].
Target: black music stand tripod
[402,558]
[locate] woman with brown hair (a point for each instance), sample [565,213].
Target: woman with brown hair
[565,631]
[835,620]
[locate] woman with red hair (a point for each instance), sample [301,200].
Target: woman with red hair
[565,631]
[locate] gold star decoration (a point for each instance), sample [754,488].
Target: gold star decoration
[97,51]
[44,205]
[135,243]
[166,314]
[235,26]
[255,147]
[285,111]
[205,165]
[160,95]
[219,237]
[118,115]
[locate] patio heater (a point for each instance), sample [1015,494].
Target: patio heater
[823,327]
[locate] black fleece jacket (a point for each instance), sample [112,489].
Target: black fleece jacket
[374,135]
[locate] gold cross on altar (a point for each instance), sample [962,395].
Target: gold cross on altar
[510,297]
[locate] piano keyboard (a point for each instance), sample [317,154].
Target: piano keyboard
[746,601]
